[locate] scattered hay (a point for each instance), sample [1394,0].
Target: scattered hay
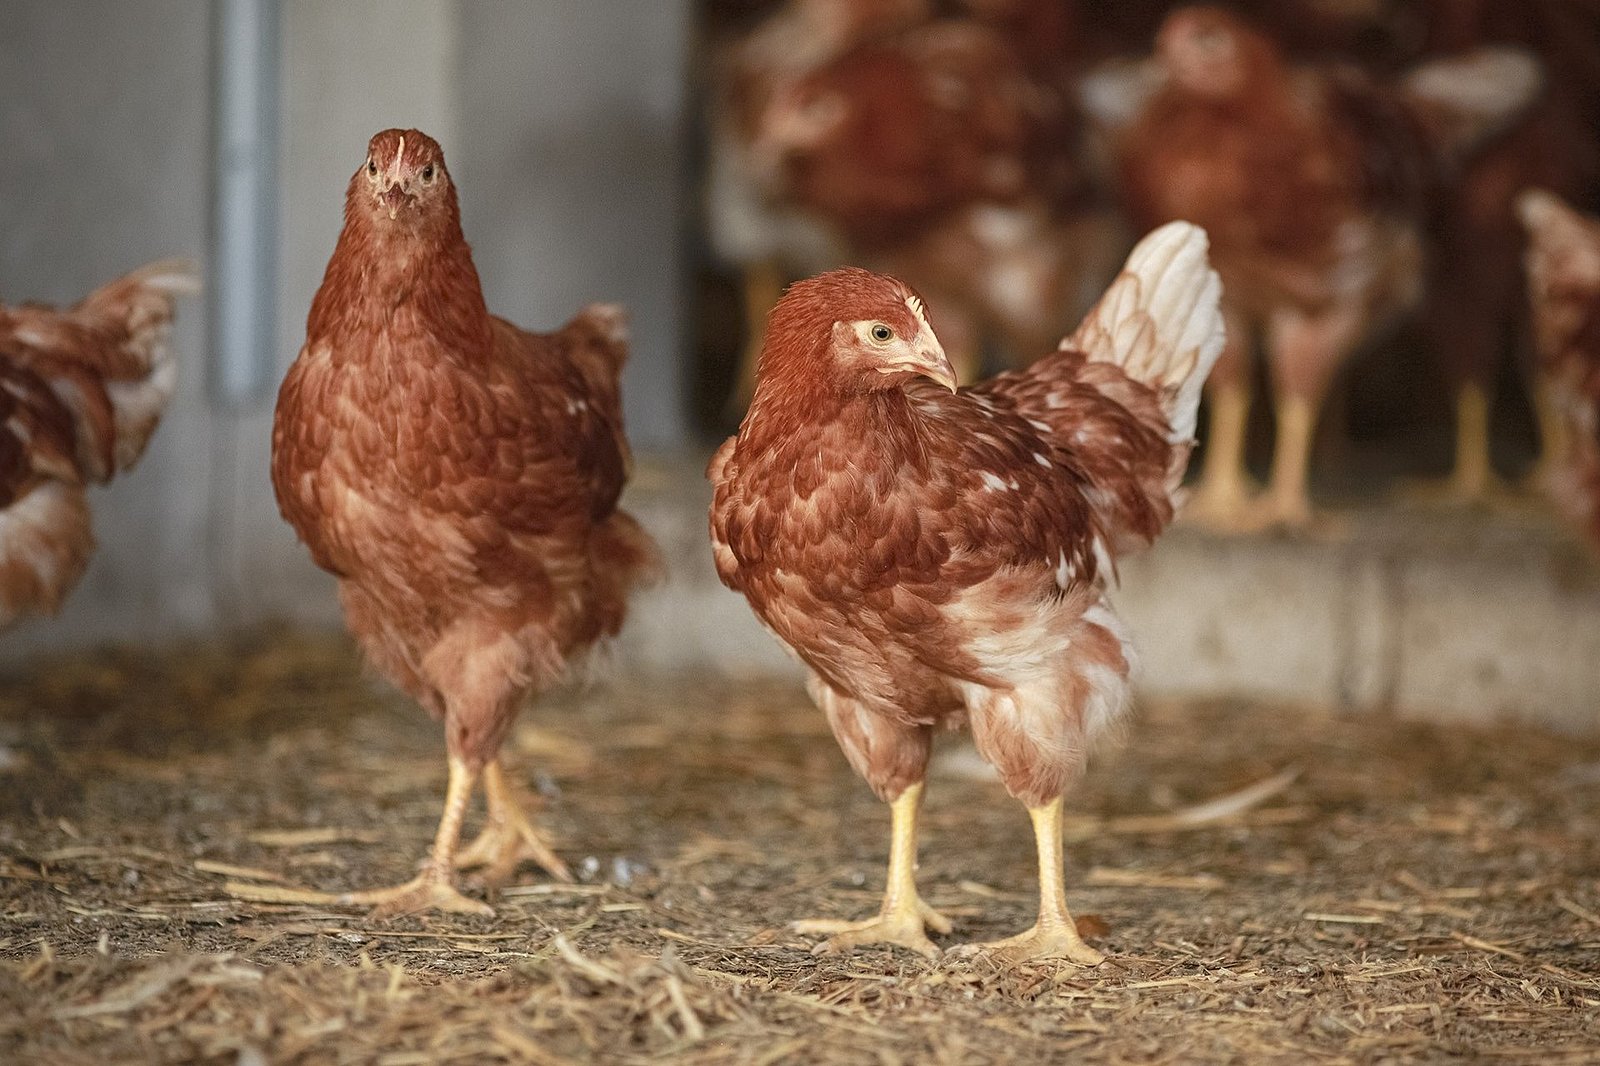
[173,826]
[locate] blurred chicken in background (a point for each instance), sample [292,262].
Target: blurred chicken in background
[1564,292]
[81,392]
[1475,309]
[1313,181]
[939,155]
[750,227]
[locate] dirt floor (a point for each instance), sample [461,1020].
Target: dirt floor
[1415,894]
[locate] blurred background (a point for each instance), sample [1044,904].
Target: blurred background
[688,158]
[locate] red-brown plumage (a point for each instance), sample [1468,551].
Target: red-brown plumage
[460,476]
[81,392]
[1475,307]
[938,558]
[940,154]
[886,137]
[1273,164]
[1313,182]
[748,216]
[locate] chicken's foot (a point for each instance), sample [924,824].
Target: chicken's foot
[509,837]
[434,888]
[904,918]
[1054,935]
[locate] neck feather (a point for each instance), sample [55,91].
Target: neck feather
[380,273]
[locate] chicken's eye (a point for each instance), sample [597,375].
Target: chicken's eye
[881,333]
[427,174]
[372,169]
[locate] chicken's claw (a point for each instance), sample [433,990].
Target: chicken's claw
[1046,940]
[1277,510]
[428,891]
[906,926]
[1220,505]
[509,837]
[501,847]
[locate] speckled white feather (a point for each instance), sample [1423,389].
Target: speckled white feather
[1161,321]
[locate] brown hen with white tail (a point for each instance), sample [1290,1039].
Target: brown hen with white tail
[939,557]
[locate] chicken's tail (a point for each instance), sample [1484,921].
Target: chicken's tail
[1160,322]
[110,360]
[136,313]
[603,331]
[1464,101]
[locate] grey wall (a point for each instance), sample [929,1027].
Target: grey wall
[560,120]
[570,175]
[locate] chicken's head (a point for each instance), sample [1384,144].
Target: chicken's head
[799,120]
[403,181]
[1212,52]
[854,331]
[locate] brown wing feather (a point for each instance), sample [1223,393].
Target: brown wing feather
[1107,425]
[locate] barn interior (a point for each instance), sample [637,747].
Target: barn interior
[1352,815]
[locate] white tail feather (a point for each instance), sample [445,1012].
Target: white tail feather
[1161,321]
[175,277]
[144,301]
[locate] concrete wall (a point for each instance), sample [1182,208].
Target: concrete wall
[560,120]
[571,176]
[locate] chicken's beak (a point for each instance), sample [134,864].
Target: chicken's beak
[394,198]
[928,359]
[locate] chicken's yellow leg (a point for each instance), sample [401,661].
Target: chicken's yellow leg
[1287,501]
[508,837]
[1473,477]
[904,918]
[1222,497]
[1054,935]
[434,888]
